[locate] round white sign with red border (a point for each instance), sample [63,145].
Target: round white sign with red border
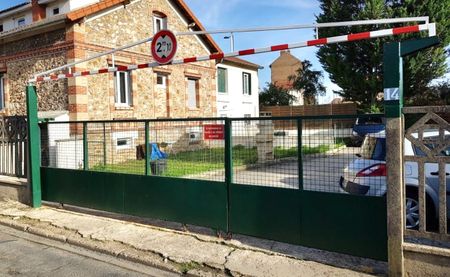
[164,46]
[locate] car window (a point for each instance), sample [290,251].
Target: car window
[369,120]
[379,152]
[431,143]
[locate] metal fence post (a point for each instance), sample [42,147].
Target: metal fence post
[85,148]
[147,150]
[34,160]
[300,153]
[228,165]
[104,144]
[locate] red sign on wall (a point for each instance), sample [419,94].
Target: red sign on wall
[214,131]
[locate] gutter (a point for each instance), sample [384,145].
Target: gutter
[48,22]
[15,11]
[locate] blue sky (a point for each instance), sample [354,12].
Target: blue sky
[221,14]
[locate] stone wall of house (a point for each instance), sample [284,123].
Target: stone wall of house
[21,59]
[132,23]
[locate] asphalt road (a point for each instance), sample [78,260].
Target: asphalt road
[23,254]
[320,172]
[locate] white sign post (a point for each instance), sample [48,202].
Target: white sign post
[164,46]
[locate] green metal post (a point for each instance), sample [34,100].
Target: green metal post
[147,150]
[34,147]
[85,148]
[228,165]
[104,144]
[393,95]
[300,152]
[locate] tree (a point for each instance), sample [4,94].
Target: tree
[309,81]
[357,66]
[273,95]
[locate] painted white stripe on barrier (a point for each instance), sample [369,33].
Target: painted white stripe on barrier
[381,33]
[263,50]
[337,39]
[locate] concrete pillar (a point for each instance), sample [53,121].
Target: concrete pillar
[393,95]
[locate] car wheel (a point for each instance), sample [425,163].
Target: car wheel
[412,210]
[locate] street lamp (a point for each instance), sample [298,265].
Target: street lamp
[231,38]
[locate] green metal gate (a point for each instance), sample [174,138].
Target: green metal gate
[243,176]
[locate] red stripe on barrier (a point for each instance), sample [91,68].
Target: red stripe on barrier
[247,52]
[317,41]
[190,60]
[358,36]
[69,75]
[103,70]
[217,56]
[122,68]
[407,29]
[279,47]
[144,65]
[85,73]
[54,77]
[39,79]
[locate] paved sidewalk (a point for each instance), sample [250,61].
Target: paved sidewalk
[195,251]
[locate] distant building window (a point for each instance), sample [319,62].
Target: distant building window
[124,143]
[55,11]
[123,88]
[20,22]
[193,95]
[247,83]
[2,92]
[222,76]
[159,22]
[1,28]
[247,122]
[161,80]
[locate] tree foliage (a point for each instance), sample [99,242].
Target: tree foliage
[357,66]
[309,81]
[273,95]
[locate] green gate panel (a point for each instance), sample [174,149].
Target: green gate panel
[349,224]
[265,212]
[202,203]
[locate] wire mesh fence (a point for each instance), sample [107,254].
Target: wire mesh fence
[183,149]
[337,155]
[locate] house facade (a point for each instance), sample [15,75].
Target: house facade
[44,34]
[237,88]
[284,66]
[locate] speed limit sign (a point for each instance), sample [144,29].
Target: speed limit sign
[164,46]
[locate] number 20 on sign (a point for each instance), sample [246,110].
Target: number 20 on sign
[164,46]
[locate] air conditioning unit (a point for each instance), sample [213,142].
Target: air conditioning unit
[195,136]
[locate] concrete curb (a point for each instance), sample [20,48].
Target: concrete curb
[234,257]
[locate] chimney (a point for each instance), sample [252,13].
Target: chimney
[284,52]
[37,10]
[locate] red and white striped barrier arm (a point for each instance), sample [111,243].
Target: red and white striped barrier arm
[314,42]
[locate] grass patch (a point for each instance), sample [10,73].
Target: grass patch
[204,160]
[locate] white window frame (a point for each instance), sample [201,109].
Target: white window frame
[196,92]
[128,89]
[163,23]
[164,80]
[226,80]
[246,84]
[19,20]
[2,92]
[129,136]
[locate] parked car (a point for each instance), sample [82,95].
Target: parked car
[364,126]
[366,175]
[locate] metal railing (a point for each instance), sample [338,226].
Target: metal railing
[250,151]
[13,146]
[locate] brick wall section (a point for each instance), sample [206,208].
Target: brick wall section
[119,28]
[283,67]
[21,59]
